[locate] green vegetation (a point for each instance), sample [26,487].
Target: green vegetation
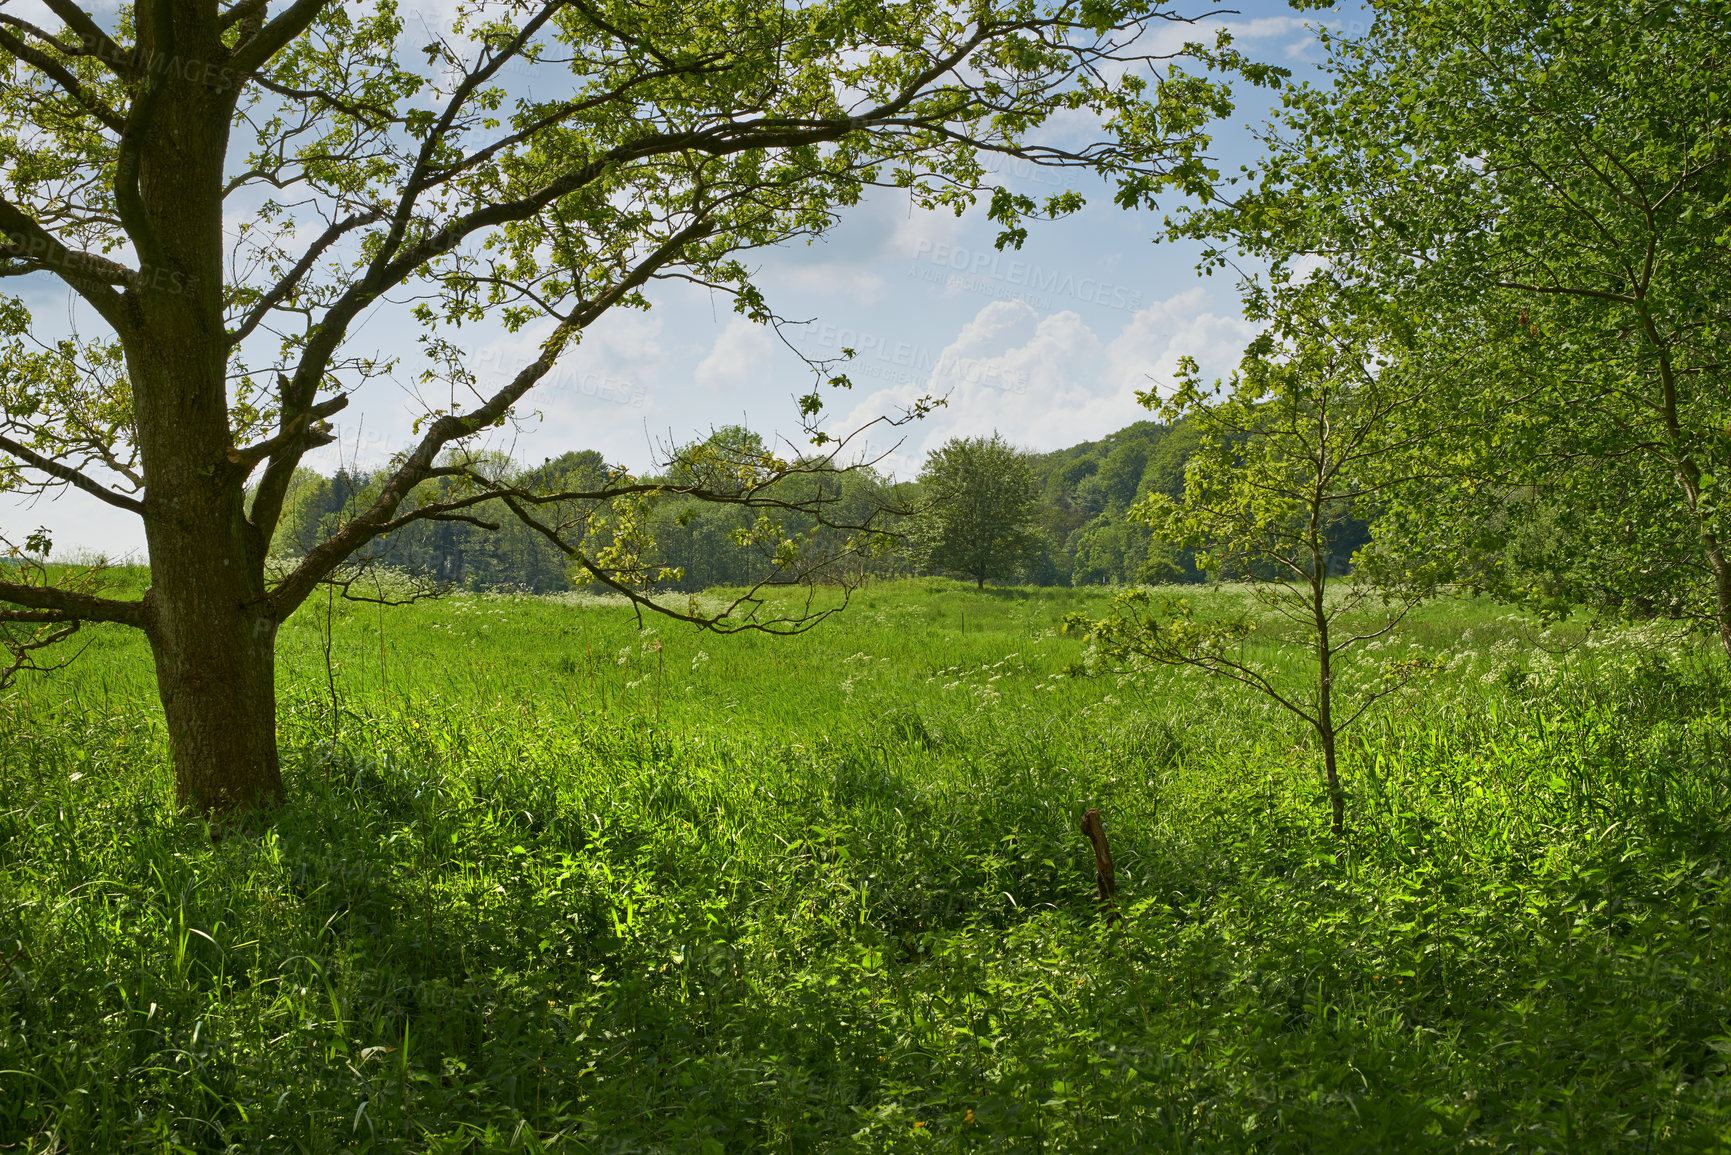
[531,170]
[977,510]
[1080,499]
[546,882]
[280,871]
[1541,190]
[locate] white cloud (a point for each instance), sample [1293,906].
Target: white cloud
[1046,382]
[742,347]
[1145,354]
[859,285]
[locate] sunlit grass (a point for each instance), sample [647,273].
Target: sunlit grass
[549,882]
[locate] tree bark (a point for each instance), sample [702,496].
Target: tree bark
[216,675]
[1105,876]
[1721,588]
[212,634]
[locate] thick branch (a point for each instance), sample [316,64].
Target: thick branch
[297,428]
[90,276]
[76,606]
[35,617]
[71,476]
[326,557]
[283,288]
[1567,291]
[128,202]
[296,434]
[256,52]
[243,10]
[393,265]
[94,40]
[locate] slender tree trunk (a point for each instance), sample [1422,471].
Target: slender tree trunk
[1325,734]
[1689,477]
[1336,796]
[1721,568]
[1325,690]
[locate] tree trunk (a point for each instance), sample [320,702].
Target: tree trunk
[211,632]
[1336,796]
[216,674]
[1721,588]
[1325,690]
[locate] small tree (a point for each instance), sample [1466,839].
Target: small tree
[979,509]
[1311,433]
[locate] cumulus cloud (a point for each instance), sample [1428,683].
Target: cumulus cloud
[1047,381]
[740,350]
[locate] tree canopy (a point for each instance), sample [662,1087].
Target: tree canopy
[1545,185]
[978,515]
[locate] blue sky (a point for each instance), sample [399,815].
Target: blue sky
[1047,345]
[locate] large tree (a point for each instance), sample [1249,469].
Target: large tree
[1546,183]
[977,516]
[232,190]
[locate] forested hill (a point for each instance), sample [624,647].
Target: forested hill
[1082,497]
[1084,494]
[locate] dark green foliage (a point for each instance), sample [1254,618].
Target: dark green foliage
[1081,497]
[1539,189]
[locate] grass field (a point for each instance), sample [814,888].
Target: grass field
[547,882]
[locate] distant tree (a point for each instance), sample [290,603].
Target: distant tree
[979,515]
[305,504]
[1121,473]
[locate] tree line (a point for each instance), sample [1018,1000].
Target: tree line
[980,509]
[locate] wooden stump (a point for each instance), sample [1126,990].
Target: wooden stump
[1104,878]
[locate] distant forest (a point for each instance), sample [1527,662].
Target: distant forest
[1082,498]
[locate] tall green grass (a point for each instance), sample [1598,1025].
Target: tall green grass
[547,882]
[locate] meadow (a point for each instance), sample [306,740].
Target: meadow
[549,881]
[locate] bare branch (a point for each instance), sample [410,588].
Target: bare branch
[716,623]
[24,647]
